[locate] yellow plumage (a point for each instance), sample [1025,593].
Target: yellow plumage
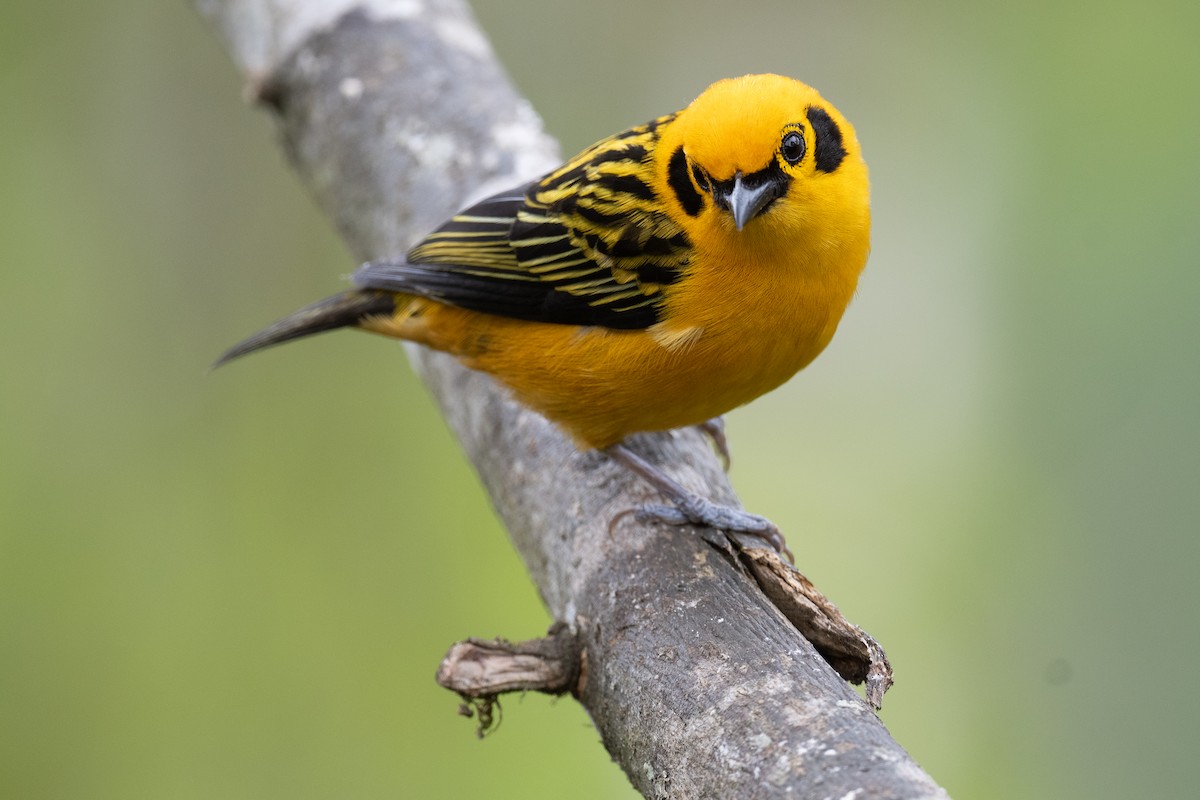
[748,309]
[660,278]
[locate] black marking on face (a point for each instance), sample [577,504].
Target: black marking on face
[830,150]
[681,184]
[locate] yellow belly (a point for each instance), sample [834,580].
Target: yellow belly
[718,347]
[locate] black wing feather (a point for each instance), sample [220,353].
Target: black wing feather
[588,244]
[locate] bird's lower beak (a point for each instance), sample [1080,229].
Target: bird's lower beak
[745,196]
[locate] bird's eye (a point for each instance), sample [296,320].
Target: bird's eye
[700,178]
[792,147]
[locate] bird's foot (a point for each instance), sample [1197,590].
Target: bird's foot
[692,509]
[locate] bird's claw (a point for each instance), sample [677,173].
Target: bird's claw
[689,507]
[696,510]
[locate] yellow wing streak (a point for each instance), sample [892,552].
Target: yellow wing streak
[593,231]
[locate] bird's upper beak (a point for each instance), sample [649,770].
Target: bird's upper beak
[745,196]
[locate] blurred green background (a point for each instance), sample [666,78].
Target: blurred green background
[238,585]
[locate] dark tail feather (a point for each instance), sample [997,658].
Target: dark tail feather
[340,311]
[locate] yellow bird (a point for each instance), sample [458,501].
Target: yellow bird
[662,277]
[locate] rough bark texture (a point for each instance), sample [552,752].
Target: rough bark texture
[698,684]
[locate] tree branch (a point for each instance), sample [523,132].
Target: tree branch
[395,112]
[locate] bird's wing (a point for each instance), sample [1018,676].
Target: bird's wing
[589,244]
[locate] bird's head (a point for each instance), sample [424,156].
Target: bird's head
[766,153]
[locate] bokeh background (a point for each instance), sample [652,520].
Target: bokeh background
[237,585]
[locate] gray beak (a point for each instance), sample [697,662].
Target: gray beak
[745,200]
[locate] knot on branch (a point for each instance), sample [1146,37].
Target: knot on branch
[480,670]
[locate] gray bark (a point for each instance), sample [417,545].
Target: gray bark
[395,112]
